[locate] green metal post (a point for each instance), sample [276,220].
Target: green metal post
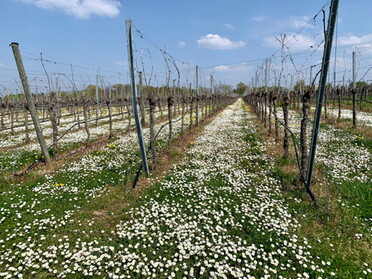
[145,165]
[322,85]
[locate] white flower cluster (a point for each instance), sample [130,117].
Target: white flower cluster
[338,150]
[364,118]
[14,154]
[218,215]
[29,217]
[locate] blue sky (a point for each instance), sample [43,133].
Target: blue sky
[227,39]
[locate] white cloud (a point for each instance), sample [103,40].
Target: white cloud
[221,68]
[233,67]
[299,43]
[121,63]
[299,22]
[228,26]
[215,41]
[259,18]
[354,40]
[349,40]
[343,62]
[80,8]
[364,41]
[296,23]
[181,43]
[1,64]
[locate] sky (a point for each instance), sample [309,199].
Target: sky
[228,40]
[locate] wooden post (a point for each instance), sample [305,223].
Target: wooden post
[141,100]
[285,115]
[170,116]
[303,134]
[31,106]
[152,107]
[53,120]
[25,113]
[97,98]
[85,112]
[109,108]
[353,91]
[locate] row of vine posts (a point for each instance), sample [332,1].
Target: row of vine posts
[87,108]
[266,104]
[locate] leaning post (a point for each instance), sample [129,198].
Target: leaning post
[128,24]
[322,85]
[31,105]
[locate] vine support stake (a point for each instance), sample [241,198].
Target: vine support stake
[97,96]
[30,102]
[321,89]
[353,91]
[197,93]
[128,24]
[266,74]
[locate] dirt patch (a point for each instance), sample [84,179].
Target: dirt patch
[99,213]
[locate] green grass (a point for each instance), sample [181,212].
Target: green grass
[11,162]
[287,180]
[339,229]
[363,142]
[331,229]
[335,225]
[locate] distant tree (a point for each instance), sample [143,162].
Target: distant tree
[329,85]
[240,88]
[90,91]
[359,84]
[223,89]
[300,85]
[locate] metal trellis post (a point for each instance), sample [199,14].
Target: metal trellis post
[128,24]
[197,93]
[321,89]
